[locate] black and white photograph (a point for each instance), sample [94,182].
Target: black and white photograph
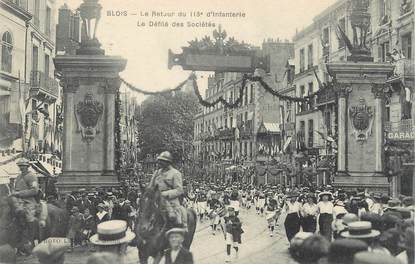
[207,132]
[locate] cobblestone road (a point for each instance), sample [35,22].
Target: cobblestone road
[257,246]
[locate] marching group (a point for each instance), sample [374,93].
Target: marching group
[323,225]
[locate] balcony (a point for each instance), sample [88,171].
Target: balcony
[43,87]
[226,133]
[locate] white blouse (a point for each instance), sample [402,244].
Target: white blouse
[310,209]
[325,207]
[292,207]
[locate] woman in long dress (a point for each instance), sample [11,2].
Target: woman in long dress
[325,210]
[292,222]
[309,213]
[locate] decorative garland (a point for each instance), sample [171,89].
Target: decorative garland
[235,104]
[136,89]
[205,103]
[276,93]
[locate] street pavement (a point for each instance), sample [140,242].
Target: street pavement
[257,246]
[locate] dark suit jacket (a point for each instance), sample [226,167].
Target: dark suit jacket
[183,257]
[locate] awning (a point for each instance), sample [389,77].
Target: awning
[272,127]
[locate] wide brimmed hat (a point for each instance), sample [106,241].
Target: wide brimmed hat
[52,249]
[176,230]
[325,193]
[342,251]
[360,229]
[113,232]
[23,162]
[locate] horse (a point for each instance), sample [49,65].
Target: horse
[152,224]
[13,227]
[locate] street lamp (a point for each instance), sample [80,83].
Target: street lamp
[90,12]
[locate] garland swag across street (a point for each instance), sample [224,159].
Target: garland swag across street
[227,104]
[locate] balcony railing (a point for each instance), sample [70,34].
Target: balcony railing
[40,83]
[403,126]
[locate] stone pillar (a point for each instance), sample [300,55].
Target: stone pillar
[90,85]
[378,91]
[343,90]
[70,88]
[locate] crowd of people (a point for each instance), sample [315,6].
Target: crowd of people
[322,224]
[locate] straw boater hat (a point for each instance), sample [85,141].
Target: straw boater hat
[360,229]
[113,232]
[52,250]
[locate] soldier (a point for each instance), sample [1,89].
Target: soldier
[170,183]
[24,196]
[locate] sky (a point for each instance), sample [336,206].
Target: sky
[146,47]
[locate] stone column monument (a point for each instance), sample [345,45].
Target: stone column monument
[90,81]
[360,84]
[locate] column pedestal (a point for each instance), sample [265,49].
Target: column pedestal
[360,117]
[90,84]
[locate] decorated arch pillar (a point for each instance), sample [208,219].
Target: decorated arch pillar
[90,82]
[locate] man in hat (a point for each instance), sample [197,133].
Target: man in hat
[113,236]
[176,254]
[170,183]
[24,197]
[52,250]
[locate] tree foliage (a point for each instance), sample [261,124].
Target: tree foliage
[166,123]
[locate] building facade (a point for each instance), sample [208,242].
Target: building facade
[30,95]
[390,39]
[246,138]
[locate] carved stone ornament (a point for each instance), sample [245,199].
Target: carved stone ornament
[361,118]
[343,89]
[88,115]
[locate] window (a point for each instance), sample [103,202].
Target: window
[302,60]
[47,61]
[301,134]
[384,49]
[407,45]
[384,10]
[310,91]
[310,56]
[342,25]
[36,13]
[325,39]
[47,21]
[250,149]
[35,58]
[252,94]
[327,121]
[6,52]
[310,133]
